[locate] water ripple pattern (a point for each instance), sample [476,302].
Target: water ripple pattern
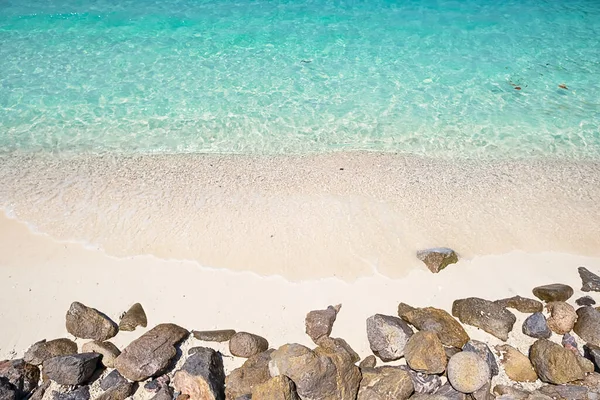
[473,78]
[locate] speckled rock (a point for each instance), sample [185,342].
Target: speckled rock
[22,375]
[424,353]
[88,323]
[319,323]
[385,383]
[424,383]
[516,365]
[555,364]
[387,336]
[521,304]
[562,317]
[468,372]
[585,301]
[487,315]
[73,369]
[368,362]
[244,344]
[43,350]
[219,336]
[553,292]
[590,282]
[536,326]
[277,388]
[438,258]
[202,376]
[108,350]
[134,317]
[448,329]
[588,325]
[242,380]
[485,353]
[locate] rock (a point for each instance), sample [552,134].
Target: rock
[483,393]
[468,372]
[438,258]
[242,380]
[555,364]
[424,383]
[150,354]
[277,388]
[521,304]
[108,350]
[505,390]
[447,392]
[244,344]
[214,336]
[38,394]
[7,390]
[569,343]
[566,392]
[82,393]
[320,322]
[448,329]
[348,375]
[154,385]
[536,326]
[387,336]
[516,365]
[562,317]
[424,353]
[114,378]
[119,392]
[202,376]
[165,393]
[585,301]
[484,352]
[591,381]
[368,362]
[487,315]
[590,281]
[23,376]
[385,383]
[41,351]
[553,292]
[336,344]
[73,369]
[592,353]
[88,323]
[450,351]
[134,317]
[587,326]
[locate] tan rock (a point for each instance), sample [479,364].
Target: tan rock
[109,352]
[202,376]
[449,330]
[555,364]
[134,317]
[516,364]
[562,317]
[468,372]
[244,344]
[424,352]
[88,323]
[241,381]
[385,383]
[277,388]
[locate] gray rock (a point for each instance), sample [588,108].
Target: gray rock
[590,281]
[151,353]
[368,362]
[214,336]
[585,301]
[438,258]
[165,393]
[555,364]
[448,329]
[114,378]
[108,351]
[385,383]
[244,344]
[562,317]
[7,390]
[484,393]
[569,343]
[119,392]
[154,385]
[505,390]
[82,393]
[566,392]
[553,292]
[592,353]
[134,317]
[73,369]
[319,323]
[447,392]
[277,388]
[521,304]
[468,372]
[202,376]
[587,326]
[424,353]
[450,351]
[536,326]
[23,376]
[88,323]
[424,383]
[38,394]
[41,351]
[254,371]
[487,315]
[483,351]
[387,336]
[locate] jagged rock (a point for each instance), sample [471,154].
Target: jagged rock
[438,258]
[536,326]
[585,301]
[482,349]
[447,392]
[424,383]
[569,343]
[108,350]
[23,376]
[320,322]
[448,329]
[119,392]
[555,364]
[277,388]
[387,336]
[588,325]
[505,390]
[424,353]
[151,353]
[214,336]
[88,323]
[73,369]
[81,393]
[337,344]
[516,365]
[521,304]
[202,376]
[43,350]
[468,372]
[592,353]
[7,390]
[483,393]
[566,392]
[591,381]
[553,292]
[244,344]
[165,393]
[562,317]
[134,317]
[385,383]
[487,315]
[368,362]
[319,374]
[242,380]
[590,282]
[154,385]
[114,378]
[39,392]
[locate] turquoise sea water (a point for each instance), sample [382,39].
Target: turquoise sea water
[428,77]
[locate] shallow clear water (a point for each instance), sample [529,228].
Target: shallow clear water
[428,77]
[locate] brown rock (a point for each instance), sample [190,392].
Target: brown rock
[151,353]
[483,393]
[244,344]
[202,376]
[88,323]
[438,258]
[320,322]
[214,336]
[119,392]
[516,364]
[487,315]
[566,392]
[134,317]
[108,350]
[424,352]
[23,376]
[448,329]
[368,362]
[517,394]
[277,388]
[41,351]
[562,317]
[72,369]
[588,325]
[242,380]
[553,292]
[385,383]
[521,304]
[555,364]
[387,336]
[334,345]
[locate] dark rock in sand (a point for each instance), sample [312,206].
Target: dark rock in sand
[202,376]
[244,344]
[487,315]
[569,343]
[73,369]
[134,317]
[536,326]
[590,282]
[154,385]
[424,353]
[385,383]
[424,383]
[219,336]
[438,258]
[483,350]
[38,394]
[387,336]
[277,388]
[368,362]
[41,351]
[88,323]
[114,378]
[516,365]
[468,372]
[448,329]
[484,393]
[82,393]
[555,364]
[108,350]
[119,392]
[592,353]
[562,317]
[588,325]
[585,301]
[242,380]
[150,354]
[320,322]
[521,304]
[553,292]
[7,390]
[23,376]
